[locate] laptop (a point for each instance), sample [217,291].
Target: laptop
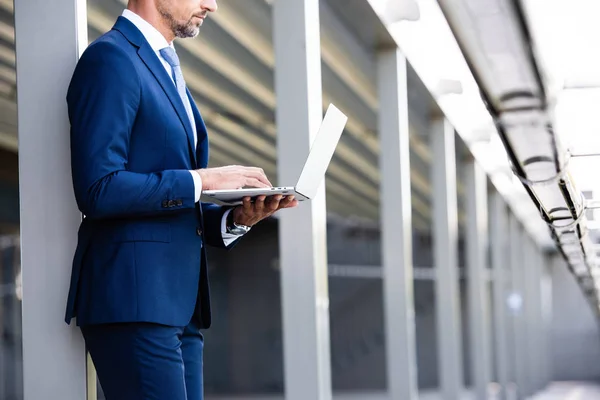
[312,174]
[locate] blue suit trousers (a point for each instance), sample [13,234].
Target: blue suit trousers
[144,361]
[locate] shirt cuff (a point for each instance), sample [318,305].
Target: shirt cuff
[228,238]
[197,185]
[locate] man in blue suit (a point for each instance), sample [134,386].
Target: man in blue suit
[139,147]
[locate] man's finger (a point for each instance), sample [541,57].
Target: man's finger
[259,175]
[274,202]
[287,200]
[247,203]
[259,204]
[289,204]
[258,170]
[255,183]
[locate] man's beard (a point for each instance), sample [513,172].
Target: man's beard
[185,30]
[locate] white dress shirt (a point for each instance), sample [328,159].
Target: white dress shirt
[157,41]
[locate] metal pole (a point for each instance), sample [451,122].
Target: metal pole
[305,297]
[396,225]
[445,232]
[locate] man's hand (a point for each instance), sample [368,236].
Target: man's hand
[233,177]
[250,213]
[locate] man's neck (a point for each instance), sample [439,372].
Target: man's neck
[153,17]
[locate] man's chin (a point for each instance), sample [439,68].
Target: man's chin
[188,33]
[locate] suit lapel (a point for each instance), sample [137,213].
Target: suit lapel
[149,58]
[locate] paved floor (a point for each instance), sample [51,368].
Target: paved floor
[424,395]
[556,391]
[570,391]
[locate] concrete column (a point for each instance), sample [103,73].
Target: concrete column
[477,272]
[546,295]
[445,234]
[500,259]
[517,302]
[396,225]
[535,320]
[50,36]
[305,297]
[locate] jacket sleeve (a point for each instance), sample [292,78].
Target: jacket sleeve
[103,99]
[213,217]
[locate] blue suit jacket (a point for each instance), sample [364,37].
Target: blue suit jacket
[140,254]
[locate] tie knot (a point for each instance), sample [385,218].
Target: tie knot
[170,56]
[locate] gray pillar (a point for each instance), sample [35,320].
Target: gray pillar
[477,282]
[445,234]
[499,247]
[535,321]
[305,298]
[396,225]
[528,315]
[517,262]
[542,328]
[50,36]
[546,295]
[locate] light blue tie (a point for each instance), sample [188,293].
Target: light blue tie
[170,56]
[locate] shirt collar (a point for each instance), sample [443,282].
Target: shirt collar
[156,40]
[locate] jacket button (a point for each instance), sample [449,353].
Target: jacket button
[198,231]
[171,203]
[178,203]
[165,204]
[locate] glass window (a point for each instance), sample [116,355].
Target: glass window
[243,353]
[11,359]
[11,353]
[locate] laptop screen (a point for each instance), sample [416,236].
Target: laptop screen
[321,152]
